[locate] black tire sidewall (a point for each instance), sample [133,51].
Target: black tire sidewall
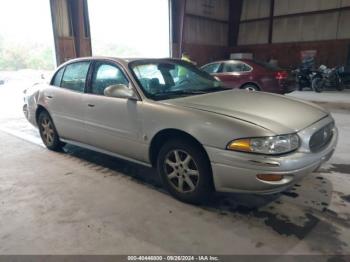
[317,85]
[340,85]
[205,185]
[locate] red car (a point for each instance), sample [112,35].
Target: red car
[252,75]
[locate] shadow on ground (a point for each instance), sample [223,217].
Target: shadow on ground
[291,213]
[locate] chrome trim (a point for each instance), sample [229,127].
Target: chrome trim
[306,134]
[321,137]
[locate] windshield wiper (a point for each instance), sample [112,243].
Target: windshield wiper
[182,92]
[190,92]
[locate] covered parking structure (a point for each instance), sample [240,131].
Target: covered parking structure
[78,202]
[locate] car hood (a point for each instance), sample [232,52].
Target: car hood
[276,113]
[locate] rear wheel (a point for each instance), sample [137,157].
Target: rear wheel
[340,84]
[185,171]
[48,132]
[300,85]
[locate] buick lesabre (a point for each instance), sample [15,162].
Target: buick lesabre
[168,114]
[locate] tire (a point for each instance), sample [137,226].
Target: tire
[317,85]
[250,87]
[340,85]
[298,84]
[48,132]
[196,176]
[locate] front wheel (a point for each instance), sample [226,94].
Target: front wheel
[185,171]
[48,132]
[317,85]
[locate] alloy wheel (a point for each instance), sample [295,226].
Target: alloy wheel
[181,171]
[47,131]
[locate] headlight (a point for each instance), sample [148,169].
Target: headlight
[272,145]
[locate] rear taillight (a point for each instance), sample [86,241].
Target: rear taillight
[280,75]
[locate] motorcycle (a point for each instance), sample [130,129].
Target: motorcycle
[305,77]
[327,78]
[344,73]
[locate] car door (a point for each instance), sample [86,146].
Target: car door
[234,73]
[64,100]
[112,124]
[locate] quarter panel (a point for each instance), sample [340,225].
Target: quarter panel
[66,110]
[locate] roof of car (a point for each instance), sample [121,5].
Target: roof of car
[231,60]
[123,61]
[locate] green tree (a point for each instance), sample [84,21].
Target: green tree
[28,55]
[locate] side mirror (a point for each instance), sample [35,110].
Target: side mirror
[120,91]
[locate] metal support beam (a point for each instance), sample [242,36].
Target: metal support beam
[234,21]
[272,11]
[81,27]
[177,26]
[183,18]
[299,14]
[76,41]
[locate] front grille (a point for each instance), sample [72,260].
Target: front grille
[321,138]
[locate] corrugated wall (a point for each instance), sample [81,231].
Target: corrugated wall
[206,29]
[254,26]
[269,26]
[207,22]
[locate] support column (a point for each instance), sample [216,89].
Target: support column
[71,28]
[234,21]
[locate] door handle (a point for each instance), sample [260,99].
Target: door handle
[49,97]
[91,105]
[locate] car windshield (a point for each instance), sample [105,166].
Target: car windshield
[171,79]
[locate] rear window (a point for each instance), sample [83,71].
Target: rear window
[74,77]
[267,65]
[58,77]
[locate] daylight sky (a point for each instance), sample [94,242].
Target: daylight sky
[23,20]
[142,25]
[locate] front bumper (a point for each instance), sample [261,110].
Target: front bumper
[237,172]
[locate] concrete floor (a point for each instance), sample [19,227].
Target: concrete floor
[338,97]
[333,100]
[81,202]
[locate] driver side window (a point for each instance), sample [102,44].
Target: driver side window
[106,75]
